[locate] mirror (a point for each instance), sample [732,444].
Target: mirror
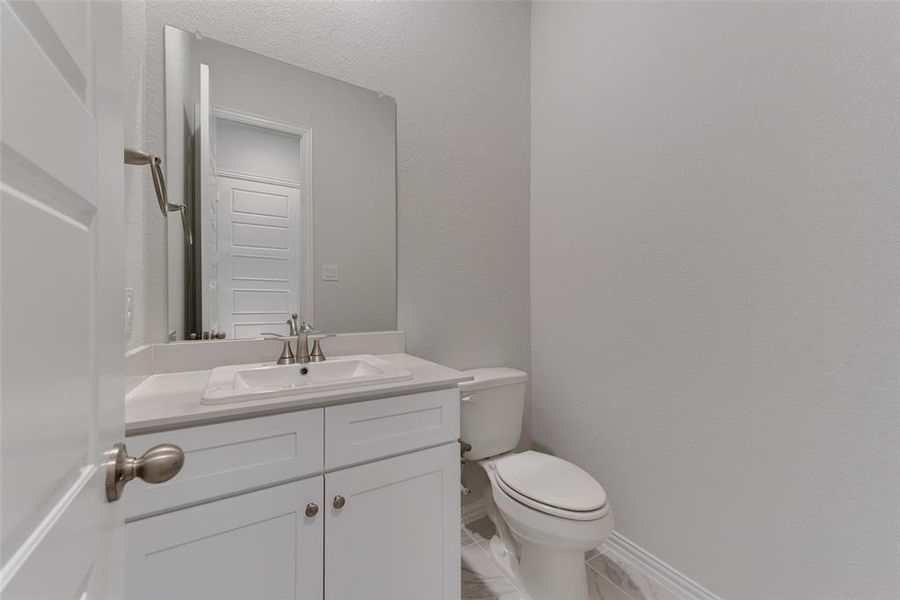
[290,181]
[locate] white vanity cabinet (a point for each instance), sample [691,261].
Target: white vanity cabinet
[353,501]
[254,545]
[397,535]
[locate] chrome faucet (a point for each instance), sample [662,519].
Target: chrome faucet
[303,342]
[301,333]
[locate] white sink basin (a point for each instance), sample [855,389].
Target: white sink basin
[239,383]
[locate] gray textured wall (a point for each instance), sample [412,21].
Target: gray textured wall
[715,283]
[460,74]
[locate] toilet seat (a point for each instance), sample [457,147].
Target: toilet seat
[552,486]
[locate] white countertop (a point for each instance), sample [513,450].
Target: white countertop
[172,400]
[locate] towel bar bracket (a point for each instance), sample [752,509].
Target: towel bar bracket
[136,157]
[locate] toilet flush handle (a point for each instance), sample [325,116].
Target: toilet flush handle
[464,446]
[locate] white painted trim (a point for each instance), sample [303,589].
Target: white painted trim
[257,178]
[239,116]
[307,214]
[653,568]
[625,552]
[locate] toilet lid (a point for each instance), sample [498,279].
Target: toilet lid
[551,481]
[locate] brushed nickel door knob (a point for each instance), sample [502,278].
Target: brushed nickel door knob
[339,502]
[158,464]
[312,509]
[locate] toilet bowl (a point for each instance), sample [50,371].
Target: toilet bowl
[547,511]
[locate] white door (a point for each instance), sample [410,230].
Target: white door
[259,256]
[62,323]
[389,533]
[260,545]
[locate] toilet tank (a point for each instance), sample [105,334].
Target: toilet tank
[491,410]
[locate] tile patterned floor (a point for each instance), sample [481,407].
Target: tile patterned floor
[482,580]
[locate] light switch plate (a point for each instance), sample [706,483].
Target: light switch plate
[330,273]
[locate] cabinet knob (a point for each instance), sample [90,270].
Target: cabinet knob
[339,502]
[312,509]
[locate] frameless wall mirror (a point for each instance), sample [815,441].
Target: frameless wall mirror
[290,180]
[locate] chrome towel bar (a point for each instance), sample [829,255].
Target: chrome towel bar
[136,157]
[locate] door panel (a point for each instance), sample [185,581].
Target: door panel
[397,535]
[61,377]
[28,397]
[259,545]
[258,256]
[45,119]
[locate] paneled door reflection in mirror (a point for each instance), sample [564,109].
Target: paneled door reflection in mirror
[261,226]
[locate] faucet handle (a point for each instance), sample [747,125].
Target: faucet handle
[277,336]
[287,355]
[317,355]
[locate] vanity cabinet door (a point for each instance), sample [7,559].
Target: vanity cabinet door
[258,545]
[392,528]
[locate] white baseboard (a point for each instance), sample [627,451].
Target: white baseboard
[633,560]
[626,553]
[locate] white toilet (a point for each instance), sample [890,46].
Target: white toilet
[547,511]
